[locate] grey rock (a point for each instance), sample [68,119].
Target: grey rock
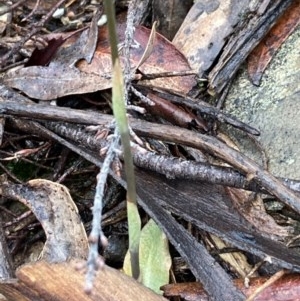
[273,108]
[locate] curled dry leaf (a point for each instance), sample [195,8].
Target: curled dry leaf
[173,113]
[60,78]
[42,57]
[53,206]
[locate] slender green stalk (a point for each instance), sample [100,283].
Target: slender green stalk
[119,109]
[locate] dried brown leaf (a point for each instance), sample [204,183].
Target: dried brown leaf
[164,58]
[53,206]
[51,82]
[173,113]
[42,57]
[61,78]
[251,207]
[261,56]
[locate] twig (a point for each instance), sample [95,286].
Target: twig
[268,283]
[167,74]
[33,10]
[35,128]
[205,108]
[10,174]
[6,266]
[94,261]
[172,134]
[169,166]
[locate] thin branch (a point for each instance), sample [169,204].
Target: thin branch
[171,167]
[94,260]
[171,134]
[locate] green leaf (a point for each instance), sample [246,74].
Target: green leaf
[154,257]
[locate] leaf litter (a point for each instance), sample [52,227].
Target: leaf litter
[68,74]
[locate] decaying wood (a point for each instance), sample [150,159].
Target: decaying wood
[42,281]
[206,29]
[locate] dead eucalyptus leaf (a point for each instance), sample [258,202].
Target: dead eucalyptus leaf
[42,57]
[61,78]
[83,48]
[46,83]
[53,206]
[163,58]
[284,289]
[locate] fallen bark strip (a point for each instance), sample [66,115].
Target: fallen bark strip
[203,265]
[44,281]
[209,208]
[240,45]
[166,133]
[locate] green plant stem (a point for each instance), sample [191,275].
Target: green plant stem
[119,109]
